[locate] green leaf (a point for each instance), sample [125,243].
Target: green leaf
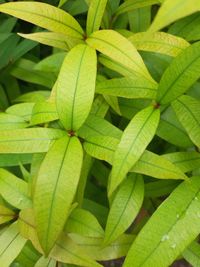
[131,5]
[7,160]
[172,227]
[128,87]
[57,40]
[8,122]
[43,112]
[159,42]
[192,254]
[95,15]
[137,135]
[93,247]
[187,110]
[55,189]
[6,214]
[125,207]
[121,50]
[67,251]
[185,161]
[172,10]
[140,19]
[76,86]
[23,110]
[14,190]
[11,244]
[33,140]
[45,16]
[26,223]
[45,262]
[84,223]
[180,75]
[96,126]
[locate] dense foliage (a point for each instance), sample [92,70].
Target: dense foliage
[99,133]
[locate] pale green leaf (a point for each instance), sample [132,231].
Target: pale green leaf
[172,227]
[119,49]
[192,254]
[125,207]
[95,15]
[180,75]
[57,40]
[26,224]
[93,247]
[76,86]
[131,5]
[6,214]
[128,87]
[172,10]
[11,244]
[14,190]
[84,223]
[33,140]
[67,251]
[8,122]
[45,262]
[187,110]
[185,161]
[137,135]
[55,189]
[45,16]
[159,42]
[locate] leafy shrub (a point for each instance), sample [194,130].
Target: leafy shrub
[100,136]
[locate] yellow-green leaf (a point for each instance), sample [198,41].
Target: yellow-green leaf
[172,10]
[172,227]
[6,214]
[76,86]
[119,49]
[55,189]
[11,244]
[180,75]
[125,207]
[187,110]
[134,141]
[14,190]
[159,42]
[45,16]
[95,14]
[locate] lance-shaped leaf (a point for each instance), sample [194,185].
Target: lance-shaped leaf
[26,224]
[45,262]
[119,49]
[45,16]
[159,42]
[6,214]
[57,40]
[14,159]
[136,137]
[8,122]
[185,161]
[125,207]
[172,10]
[192,254]
[14,190]
[151,164]
[33,140]
[188,112]
[55,189]
[128,87]
[95,15]
[172,227]
[131,5]
[93,247]
[67,251]
[11,244]
[180,75]
[84,223]
[76,86]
